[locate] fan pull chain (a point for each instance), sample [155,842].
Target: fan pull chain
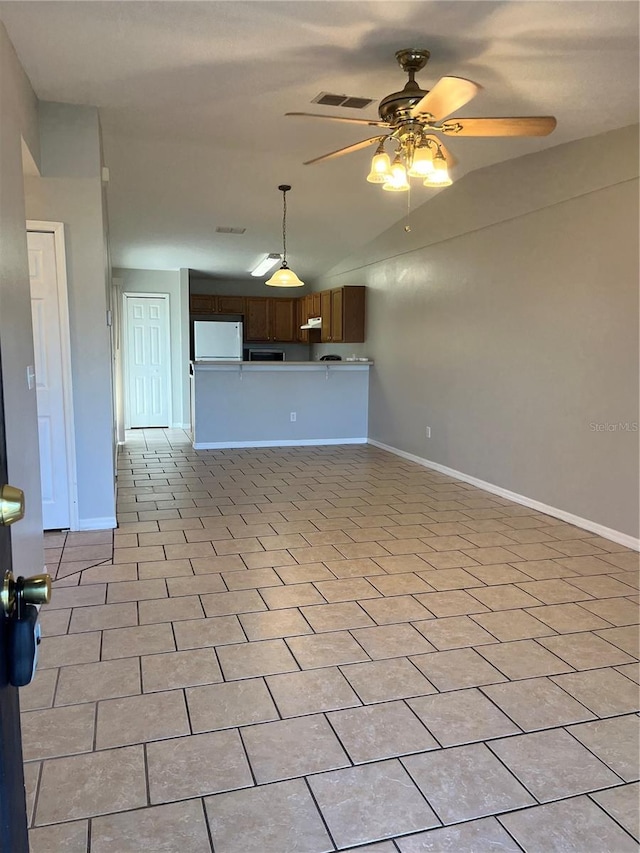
[407,226]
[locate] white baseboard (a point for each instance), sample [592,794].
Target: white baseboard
[584,523]
[181,426]
[108,522]
[285,442]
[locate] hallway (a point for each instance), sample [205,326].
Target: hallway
[302,650]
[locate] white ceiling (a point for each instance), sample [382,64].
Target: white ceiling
[192,97]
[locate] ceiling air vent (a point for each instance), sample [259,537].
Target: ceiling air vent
[329,100]
[227,229]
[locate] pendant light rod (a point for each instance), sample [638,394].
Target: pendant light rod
[284,277]
[284,189]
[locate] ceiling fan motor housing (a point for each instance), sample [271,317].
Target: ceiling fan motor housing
[396,106]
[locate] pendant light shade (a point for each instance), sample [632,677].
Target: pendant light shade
[439,176]
[422,164]
[380,166]
[284,277]
[397,181]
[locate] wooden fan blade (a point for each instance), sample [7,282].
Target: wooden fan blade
[521,126]
[448,156]
[356,147]
[370,122]
[447,96]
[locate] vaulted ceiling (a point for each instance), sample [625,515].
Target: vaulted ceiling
[192,97]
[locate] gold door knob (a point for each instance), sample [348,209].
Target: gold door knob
[8,594]
[11,504]
[37,589]
[15,592]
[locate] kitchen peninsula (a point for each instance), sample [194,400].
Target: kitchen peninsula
[270,404]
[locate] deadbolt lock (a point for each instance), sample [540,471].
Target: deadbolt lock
[33,590]
[11,504]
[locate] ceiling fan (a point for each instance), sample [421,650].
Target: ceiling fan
[413,116]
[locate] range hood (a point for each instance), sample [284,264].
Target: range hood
[313,323]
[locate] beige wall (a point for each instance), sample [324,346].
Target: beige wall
[507,321]
[18,120]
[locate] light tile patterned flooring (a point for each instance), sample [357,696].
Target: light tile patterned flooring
[310,649]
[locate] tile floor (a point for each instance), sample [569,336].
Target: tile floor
[310,649]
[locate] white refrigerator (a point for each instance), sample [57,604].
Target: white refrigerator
[217,341]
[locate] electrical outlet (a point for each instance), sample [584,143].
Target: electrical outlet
[293,416]
[428,432]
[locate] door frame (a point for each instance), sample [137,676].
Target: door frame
[57,229]
[13,810]
[132,294]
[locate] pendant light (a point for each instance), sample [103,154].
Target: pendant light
[284,277]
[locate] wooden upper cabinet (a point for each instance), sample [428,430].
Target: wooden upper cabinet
[256,318]
[282,320]
[210,303]
[268,319]
[325,313]
[342,311]
[337,319]
[230,304]
[353,314]
[200,303]
[302,335]
[315,304]
[279,319]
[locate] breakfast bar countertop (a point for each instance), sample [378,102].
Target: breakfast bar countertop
[276,403]
[280,365]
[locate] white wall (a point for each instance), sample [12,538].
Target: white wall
[18,121]
[70,191]
[163,281]
[507,321]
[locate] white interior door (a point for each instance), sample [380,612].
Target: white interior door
[147,362]
[50,380]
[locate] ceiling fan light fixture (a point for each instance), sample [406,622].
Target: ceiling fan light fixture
[422,164]
[398,170]
[397,181]
[395,186]
[380,166]
[284,277]
[439,177]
